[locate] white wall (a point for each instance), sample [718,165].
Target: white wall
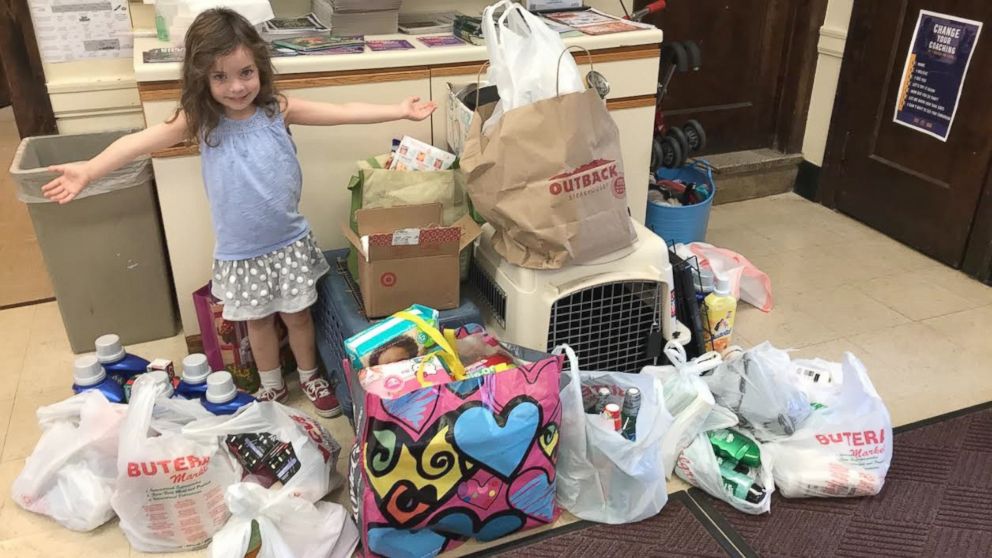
[833,36]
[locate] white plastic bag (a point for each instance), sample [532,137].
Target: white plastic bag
[289,526]
[170,487]
[698,466]
[524,56]
[70,475]
[315,448]
[845,447]
[601,475]
[762,389]
[687,398]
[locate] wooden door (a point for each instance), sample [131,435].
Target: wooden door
[907,184]
[758,62]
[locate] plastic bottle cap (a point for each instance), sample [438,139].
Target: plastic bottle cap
[721,286]
[220,387]
[86,371]
[195,368]
[109,348]
[162,377]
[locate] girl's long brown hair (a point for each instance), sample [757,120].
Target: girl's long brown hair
[215,33]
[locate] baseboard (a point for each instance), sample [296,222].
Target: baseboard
[808,180]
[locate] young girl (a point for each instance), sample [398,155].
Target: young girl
[265,258]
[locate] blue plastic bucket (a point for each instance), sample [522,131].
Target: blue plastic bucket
[682,225]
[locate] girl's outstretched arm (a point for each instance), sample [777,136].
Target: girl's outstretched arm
[75,176]
[310,113]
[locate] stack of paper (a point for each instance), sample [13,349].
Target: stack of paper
[427,23]
[350,17]
[293,27]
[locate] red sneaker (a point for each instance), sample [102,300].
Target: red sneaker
[269,394]
[318,391]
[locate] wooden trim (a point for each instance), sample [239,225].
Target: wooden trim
[631,102]
[978,253]
[612,104]
[24,72]
[798,72]
[601,56]
[170,90]
[177,151]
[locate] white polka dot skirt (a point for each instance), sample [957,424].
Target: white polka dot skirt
[282,281]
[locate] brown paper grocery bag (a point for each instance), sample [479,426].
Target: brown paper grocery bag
[549,178]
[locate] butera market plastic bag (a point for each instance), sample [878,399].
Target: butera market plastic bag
[845,447]
[170,487]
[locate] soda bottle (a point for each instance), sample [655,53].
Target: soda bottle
[628,416]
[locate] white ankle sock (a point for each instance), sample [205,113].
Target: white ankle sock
[272,379]
[306,375]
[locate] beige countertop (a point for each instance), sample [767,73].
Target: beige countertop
[420,55]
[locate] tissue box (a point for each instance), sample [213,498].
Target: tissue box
[406,258]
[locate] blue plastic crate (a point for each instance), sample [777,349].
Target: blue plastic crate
[338,314]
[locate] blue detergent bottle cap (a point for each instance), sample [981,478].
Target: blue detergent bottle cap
[196,369]
[109,348]
[87,371]
[220,387]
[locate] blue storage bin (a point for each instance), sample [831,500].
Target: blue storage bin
[338,315]
[682,225]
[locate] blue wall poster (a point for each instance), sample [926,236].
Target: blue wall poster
[936,65]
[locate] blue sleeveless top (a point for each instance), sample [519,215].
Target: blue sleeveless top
[253,181]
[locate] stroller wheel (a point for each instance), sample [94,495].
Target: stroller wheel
[674,53]
[679,136]
[670,153]
[694,55]
[695,135]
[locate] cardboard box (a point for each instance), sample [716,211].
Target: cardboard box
[405,257]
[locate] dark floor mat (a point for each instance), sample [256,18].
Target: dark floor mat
[937,501]
[679,530]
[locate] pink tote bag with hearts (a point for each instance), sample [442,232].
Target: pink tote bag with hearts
[439,465]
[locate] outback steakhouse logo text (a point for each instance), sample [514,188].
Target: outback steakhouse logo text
[591,177]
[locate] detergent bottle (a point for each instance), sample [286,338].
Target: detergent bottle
[87,375]
[196,369]
[119,364]
[222,397]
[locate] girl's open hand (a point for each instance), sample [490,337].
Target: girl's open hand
[413,109]
[66,187]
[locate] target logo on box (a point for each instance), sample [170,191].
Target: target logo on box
[387,279]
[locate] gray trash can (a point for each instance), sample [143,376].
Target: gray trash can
[104,251]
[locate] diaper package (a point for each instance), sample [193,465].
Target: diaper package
[393,339]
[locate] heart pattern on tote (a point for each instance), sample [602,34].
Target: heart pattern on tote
[480,493]
[413,409]
[534,494]
[464,524]
[498,442]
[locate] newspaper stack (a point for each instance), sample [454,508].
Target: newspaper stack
[365,17]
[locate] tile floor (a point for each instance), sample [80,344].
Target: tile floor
[924,331]
[22,270]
